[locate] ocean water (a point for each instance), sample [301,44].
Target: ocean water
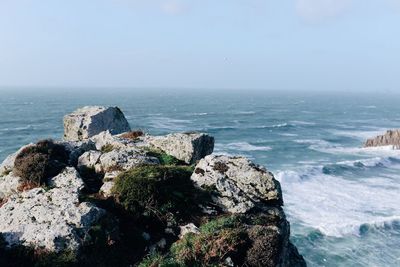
[343,201]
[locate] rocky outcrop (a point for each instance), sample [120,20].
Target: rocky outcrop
[52,219]
[390,138]
[241,185]
[188,147]
[92,120]
[121,196]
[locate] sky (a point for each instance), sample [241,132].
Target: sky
[321,45]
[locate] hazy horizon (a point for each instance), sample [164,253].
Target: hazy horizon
[305,45]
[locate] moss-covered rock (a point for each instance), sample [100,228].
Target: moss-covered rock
[160,191]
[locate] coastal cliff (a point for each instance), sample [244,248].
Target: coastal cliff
[109,196]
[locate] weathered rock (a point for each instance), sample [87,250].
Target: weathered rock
[115,160]
[269,241]
[8,185]
[390,138]
[240,184]
[90,160]
[188,147]
[8,164]
[91,120]
[54,220]
[188,228]
[106,188]
[125,159]
[77,148]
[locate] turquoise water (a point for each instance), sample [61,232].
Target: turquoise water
[342,200]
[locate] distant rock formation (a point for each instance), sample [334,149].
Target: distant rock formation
[126,198]
[390,138]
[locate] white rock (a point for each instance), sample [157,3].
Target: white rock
[188,228]
[91,120]
[240,184]
[77,148]
[188,147]
[106,188]
[90,160]
[125,159]
[8,185]
[53,219]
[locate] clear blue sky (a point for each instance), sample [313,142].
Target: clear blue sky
[266,44]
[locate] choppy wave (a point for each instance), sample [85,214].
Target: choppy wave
[169,123]
[339,206]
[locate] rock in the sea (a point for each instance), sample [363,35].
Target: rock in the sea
[52,219]
[187,147]
[92,120]
[241,185]
[390,138]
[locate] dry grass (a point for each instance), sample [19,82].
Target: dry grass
[133,135]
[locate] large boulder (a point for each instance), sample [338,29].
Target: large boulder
[91,120]
[188,147]
[390,138]
[54,220]
[240,184]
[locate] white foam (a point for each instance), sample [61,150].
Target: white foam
[370,162]
[244,146]
[337,206]
[302,123]
[288,134]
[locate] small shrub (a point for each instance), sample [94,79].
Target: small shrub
[158,190]
[38,162]
[133,135]
[107,148]
[218,239]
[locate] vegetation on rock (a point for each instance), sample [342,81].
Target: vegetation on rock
[132,135]
[107,148]
[159,191]
[36,163]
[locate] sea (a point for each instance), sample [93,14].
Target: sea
[342,200]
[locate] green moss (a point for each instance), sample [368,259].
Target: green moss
[107,148]
[150,189]
[165,192]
